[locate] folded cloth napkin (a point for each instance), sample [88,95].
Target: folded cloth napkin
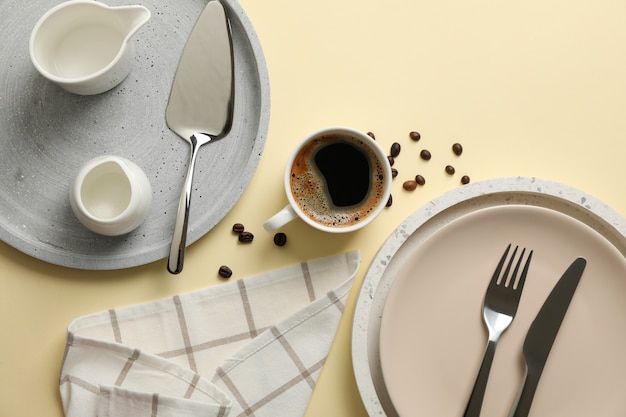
[251,347]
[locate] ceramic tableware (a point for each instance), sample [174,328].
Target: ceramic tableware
[337,180]
[111,195]
[84,46]
[461,230]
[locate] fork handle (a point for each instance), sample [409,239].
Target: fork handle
[475,402]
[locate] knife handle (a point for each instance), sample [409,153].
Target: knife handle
[524,400]
[179,238]
[475,402]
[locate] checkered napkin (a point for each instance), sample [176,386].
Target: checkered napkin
[252,347]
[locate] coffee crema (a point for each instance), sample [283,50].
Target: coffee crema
[337,180]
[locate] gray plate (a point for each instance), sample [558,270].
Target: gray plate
[47,134]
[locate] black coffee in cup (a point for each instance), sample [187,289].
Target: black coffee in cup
[337,180]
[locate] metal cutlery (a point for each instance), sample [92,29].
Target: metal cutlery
[542,332]
[200,106]
[499,308]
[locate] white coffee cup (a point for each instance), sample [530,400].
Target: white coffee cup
[111,195]
[84,45]
[337,180]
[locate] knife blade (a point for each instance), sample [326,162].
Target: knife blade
[200,106]
[543,332]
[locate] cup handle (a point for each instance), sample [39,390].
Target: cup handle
[280,219]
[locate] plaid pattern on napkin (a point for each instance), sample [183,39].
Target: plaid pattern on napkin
[252,347]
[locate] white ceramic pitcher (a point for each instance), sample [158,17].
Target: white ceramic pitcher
[111,195]
[84,46]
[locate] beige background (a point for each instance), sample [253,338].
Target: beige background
[533,88]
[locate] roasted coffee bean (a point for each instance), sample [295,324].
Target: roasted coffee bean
[246,237]
[225,272]
[409,185]
[457,149]
[238,228]
[465,179]
[394,172]
[450,169]
[395,149]
[389,201]
[371,135]
[425,154]
[415,136]
[420,180]
[391,160]
[280,239]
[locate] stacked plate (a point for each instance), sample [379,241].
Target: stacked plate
[418,335]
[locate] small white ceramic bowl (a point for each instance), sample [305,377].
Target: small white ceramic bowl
[111,195]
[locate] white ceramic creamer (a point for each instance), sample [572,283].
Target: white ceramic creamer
[83,45]
[111,195]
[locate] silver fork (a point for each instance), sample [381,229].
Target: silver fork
[499,308]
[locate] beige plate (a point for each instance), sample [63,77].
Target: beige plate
[432,337]
[418,316]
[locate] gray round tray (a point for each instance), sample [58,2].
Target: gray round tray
[47,134]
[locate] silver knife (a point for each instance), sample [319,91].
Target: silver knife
[542,332]
[200,106]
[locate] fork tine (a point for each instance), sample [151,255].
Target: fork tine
[505,277]
[496,273]
[522,278]
[516,270]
